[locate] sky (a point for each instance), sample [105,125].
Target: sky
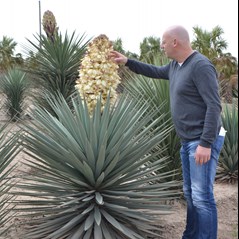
[130,20]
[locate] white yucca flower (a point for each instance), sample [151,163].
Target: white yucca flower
[98,73]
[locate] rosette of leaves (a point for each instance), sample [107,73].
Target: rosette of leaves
[54,66]
[14,84]
[91,173]
[49,25]
[98,73]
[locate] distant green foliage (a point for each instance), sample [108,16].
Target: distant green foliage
[8,59]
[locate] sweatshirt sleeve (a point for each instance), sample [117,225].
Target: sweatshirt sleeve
[207,85]
[152,71]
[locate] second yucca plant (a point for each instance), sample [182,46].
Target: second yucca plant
[54,66]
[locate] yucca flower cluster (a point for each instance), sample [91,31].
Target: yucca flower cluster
[98,74]
[49,24]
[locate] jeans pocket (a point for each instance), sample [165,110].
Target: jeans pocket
[218,144]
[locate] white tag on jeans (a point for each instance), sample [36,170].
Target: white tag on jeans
[222,132]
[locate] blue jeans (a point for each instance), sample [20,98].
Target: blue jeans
[198,183]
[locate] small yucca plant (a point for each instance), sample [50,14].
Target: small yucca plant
[92,177]
[98,72]
[8,150]
[14,85]
[228,162]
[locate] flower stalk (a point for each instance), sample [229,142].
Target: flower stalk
[98,74]
[49,25]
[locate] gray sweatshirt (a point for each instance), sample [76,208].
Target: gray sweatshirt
[194,96]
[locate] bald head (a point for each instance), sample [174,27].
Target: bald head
[176,43]
[178,32]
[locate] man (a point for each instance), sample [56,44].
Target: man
[196,110]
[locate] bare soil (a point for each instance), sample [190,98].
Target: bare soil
[227,203]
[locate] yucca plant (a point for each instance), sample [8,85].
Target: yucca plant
[92,177]
[228,162]
[14,84]
[8,150]
[56,64]
[156,92]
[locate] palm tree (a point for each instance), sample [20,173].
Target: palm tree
[7,58]
[212,45]
[227,67]
[209,43]
[149,48]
